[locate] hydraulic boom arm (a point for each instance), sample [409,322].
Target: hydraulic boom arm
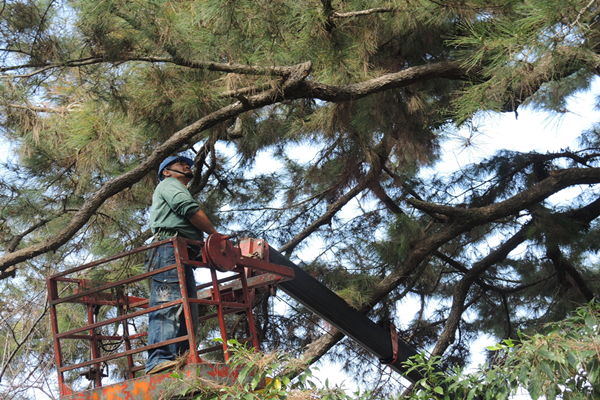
[333,309]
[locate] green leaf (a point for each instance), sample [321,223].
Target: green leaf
[243,373]
[592,370]
[471,394]
[547,354]
[551,392]
[255,381]
[439,390]
[547,370]
[590,322]
[524,375]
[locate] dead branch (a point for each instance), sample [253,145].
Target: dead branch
[362,12]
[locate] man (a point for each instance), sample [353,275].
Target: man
[174,212]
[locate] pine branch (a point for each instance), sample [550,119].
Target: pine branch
[408,76]
[475,217]
[197,185]
[219,67]
[519,288]
[318,348]
[435,209]
[558,180]
[498,255]
[195,64]
[309,89]
[124,181]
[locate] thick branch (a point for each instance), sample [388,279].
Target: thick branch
[181,137]
[408,76]
[473,217]
[315,350]
[432,208]
[425,247]
[390,204]
[561,264]
[560,179]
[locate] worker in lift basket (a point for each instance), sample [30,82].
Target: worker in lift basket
[174,212]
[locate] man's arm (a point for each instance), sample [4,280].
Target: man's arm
[201,221]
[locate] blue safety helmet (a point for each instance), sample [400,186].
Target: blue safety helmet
[170,160]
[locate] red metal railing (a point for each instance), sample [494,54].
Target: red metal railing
[248,263]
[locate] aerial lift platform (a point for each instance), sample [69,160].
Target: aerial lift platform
[251,265]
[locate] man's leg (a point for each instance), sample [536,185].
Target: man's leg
[163,324]
[168,323]
[190,282]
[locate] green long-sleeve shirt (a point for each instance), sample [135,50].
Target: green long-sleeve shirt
[172,208]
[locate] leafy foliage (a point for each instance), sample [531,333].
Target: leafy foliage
[264,376]
[561,362]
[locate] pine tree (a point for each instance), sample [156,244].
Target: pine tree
[96,93]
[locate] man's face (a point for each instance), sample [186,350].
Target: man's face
[182,167]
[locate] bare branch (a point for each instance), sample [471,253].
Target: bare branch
[14,242]
[581,13]
[363,12]
[195,64]
[25,339]
[326,217]
[44,67]
[462,288]
[54,110]
[246,91]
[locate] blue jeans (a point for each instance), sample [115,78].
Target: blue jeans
[168,323]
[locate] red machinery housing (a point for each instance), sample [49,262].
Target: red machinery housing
[248,267]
